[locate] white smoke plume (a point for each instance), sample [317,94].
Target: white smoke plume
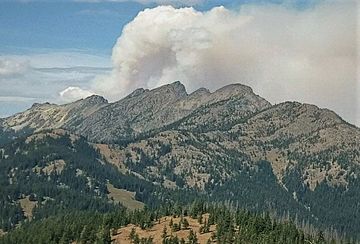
[308,55]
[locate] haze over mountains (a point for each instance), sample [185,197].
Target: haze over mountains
[228,145]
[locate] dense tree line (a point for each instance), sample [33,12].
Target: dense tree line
[343,202]
[232,226]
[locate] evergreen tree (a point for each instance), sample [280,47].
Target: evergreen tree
[65,238]
[320,237]
[171,223]
[185,224]
[200,219]
[192,238]
[132,233]
[103,235]
[85,235]
[164,232]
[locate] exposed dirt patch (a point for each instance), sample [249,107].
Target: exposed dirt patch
[157,230]
[40,136]
[56,166]
[336,175]
[27,206]
[333,173]
[313,177]
[112,155]
[278,163]
[169,184]
[56,133]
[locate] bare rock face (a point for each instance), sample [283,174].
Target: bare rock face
[146,110]
[129,116]
[231,108]
[220,109]
[50,116]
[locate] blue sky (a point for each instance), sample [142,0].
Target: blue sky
[59,25]
[60,34]
[47,46]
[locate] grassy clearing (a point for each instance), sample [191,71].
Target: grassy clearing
[124,197]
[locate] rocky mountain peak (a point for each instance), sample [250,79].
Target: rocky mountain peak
[137,92]
[176,88]
[234,89]
[94,99]
[200,92]
[39,105]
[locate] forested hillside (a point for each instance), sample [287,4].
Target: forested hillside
[225,225]
[59,172]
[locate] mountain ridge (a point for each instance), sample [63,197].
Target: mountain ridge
[197,98]
[173,100]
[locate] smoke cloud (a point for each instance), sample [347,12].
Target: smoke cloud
[74,93]
[283,53]
[175,2]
